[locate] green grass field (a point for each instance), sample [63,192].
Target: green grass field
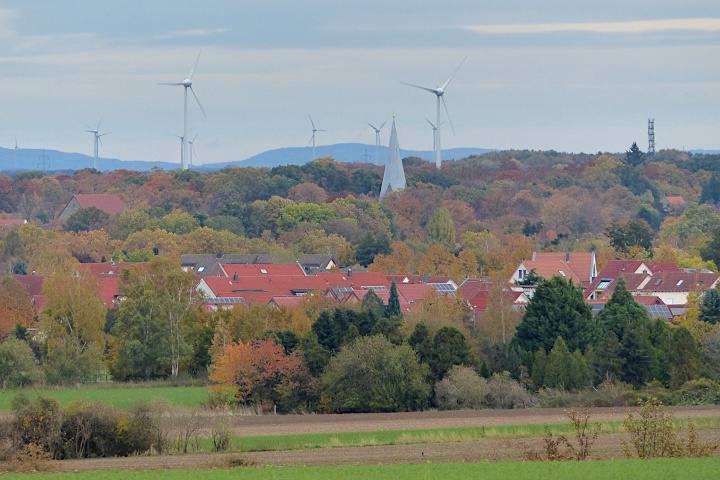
[117,397]
[661,469]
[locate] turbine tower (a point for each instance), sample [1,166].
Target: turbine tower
[187,83]
[97,136]
[434,131]
[182,148]
[312,139]
[377,141]
[439,92]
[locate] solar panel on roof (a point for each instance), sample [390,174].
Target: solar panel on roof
[442,287]
[374,287]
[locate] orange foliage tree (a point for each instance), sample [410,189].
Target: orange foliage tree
[259,370]
[15,306]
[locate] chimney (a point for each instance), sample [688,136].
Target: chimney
[425,278]
[350,272]
[533,259]
[567,257]
[235,277]
[219,255]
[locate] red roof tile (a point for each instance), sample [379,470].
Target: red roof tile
[577,268]
[109,203]
[8,222]
[262,270]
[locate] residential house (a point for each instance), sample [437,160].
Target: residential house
[109,203]
[578,267]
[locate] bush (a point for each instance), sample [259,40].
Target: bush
[18,365]
[84,430]
[221,435]
[463,388]
[654,435]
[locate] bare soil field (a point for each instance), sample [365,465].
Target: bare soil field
[607,446]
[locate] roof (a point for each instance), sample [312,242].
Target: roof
[108,268]
[317,260]
[109,203]
[33,283]
[575,266]
[612,271]
[8,222]
[413,293]
[263,269]
[677,200]
[398,278]
[108,289]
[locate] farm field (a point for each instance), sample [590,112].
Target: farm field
[439,440]
[658,469]
[116,397]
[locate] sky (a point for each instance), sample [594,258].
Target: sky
[567,75]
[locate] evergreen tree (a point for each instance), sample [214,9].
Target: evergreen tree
[557,309]
[538,369]
[608,362]
[559,368]
[372,303]
[710,307]
[686,358]
[450,347]
[441,228]
[421,342]
[393,306]
[711,190]
[634,157]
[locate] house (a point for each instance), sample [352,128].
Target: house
[580,267]
[655,306]
[33,285]
[442,283]
[210,265]
[673,205]
[109,203]
[476,293]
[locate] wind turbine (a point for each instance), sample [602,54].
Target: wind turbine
[97,136]
[439,92]
[377,140]
[312,139]
[187,83]
[192,149]
[434,130]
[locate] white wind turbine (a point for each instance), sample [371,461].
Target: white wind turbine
[439,92]
[377,141]
[191,150]
[312,139]
[182,148]
[96,133]
[434,131]
[187,83]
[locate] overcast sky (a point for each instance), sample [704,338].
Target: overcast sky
[566,75]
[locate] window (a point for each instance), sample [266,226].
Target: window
[603,284]
[201,269]
[374,288]
[679,283]
[263,271]
[561,273]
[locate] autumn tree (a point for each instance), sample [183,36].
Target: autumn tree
[72,324]
[441,228]
[15,306]
[373,375]
[501,318]
[256,372]
[401,261]
[158,300]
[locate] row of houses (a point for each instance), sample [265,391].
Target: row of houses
[228,281]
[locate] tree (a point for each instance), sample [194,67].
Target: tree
[373,375]
[18,365]
[632,233]
[711,190]
[72,323]
[711,250]
[710,307]
[86,219]
[369,248]
[686,358]
[564,370]
[15,306]
[372,303]
[421,341]
[634,157]
[557,309]
[158,302]
[441,228]
[450,347]
[256,371]
[393,307]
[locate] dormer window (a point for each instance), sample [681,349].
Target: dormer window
[263,271]
[561,273]
[679,283]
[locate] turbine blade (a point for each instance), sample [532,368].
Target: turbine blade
[382,125]
[376,129]
[192,72]
[311,122]
[320,130]
[198,101]
[431,124]
[453,75]
[421,88]
[98,127]
[172,84]
[448,115]
[311,138]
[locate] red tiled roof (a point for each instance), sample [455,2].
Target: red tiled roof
[472,286]
[108,289]
[286,300]
[431,279]
[7,222]
[680,281]
[33,283]
[663,267]
[109,203]
[398,278]
[676,200]
[413,292]
[547,264]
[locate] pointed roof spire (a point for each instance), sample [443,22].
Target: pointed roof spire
[394,177]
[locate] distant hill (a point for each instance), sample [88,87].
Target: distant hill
[12,160]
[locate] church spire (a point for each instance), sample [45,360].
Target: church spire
[394,177]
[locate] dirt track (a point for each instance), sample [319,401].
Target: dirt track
[608,446]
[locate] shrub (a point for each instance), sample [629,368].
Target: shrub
[221,435]
[504,392]
[654,435]
[38,423]
[461,388]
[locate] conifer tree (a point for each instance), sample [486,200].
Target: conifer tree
[393,306]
